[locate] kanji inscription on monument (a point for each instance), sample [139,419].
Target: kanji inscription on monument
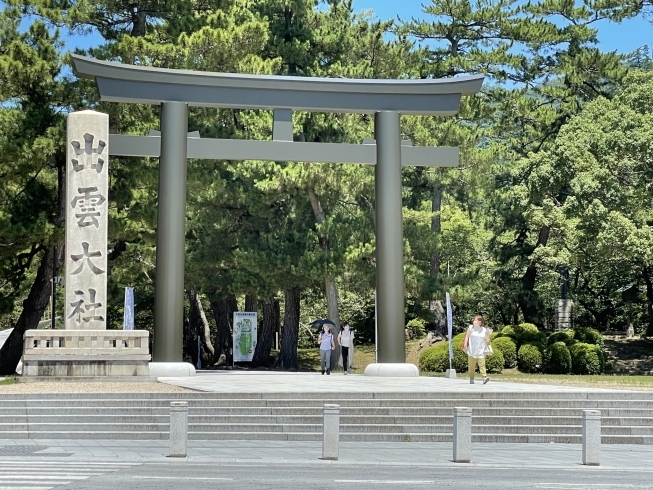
[87,206]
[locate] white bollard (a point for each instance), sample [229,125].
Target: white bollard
[178,429]
[592,437]
[330,431]
[462,434]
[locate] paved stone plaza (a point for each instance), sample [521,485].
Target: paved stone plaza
[351,453]
[275,382]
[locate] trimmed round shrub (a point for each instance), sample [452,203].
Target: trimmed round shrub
[436,359]
[527,332]
[433,359]
[458,339]
[588,335]
[560,337]
[508,349]
[495,335]
[529,357]
[523,333]
[586,359]
[495,362]
[508,331]
[416,328]
[570,342]
[557,359]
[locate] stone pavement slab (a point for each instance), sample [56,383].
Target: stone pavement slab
[275,382]
[621,457]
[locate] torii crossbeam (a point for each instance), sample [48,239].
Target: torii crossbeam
[175,90]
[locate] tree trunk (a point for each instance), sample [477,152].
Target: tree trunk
[39,294]
[288,355]
[435,305]
[33,309]
[334,315]
[139,22]
[528,299]
[329,280]
[223,312]
[265,335]
[251,302]
[199,326]
[190,341]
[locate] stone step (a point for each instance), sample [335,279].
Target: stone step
[347,437]
[74,429]
[364,417]
[317,411]
[479,419]
[570,395]
[292,403]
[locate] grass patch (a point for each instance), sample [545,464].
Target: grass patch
[630,382]
[9,380]
[609,381]
[309,359]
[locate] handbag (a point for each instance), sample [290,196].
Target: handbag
[488,350]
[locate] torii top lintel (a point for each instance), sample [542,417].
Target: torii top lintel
[147,85]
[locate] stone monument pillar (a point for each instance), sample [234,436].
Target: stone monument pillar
[563,318]
[86,349]
[87,206]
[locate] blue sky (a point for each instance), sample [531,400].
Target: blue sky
[623,38]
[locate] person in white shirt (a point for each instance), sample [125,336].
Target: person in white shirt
[346,340]
[475,344]
[326,346]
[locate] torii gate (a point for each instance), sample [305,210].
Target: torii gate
[175,90]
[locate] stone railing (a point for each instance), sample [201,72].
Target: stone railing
[82,344]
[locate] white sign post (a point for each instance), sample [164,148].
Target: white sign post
[244,336]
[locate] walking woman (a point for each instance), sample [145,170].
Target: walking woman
[475,345]
[326,346]
[346,340]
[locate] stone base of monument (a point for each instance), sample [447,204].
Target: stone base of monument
[89,355]
[392,370]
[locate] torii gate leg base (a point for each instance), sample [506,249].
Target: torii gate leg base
[392,370]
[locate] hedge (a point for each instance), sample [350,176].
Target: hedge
[560,337]
[508,331]
[557,359]
[586,359]
[436,359]
[588,335]
[523,333]
[570,342]
[508,349]
[495,362]
[529,357]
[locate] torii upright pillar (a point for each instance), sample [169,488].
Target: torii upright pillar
[171,234]
[389,239]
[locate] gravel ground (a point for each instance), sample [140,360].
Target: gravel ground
[90,387]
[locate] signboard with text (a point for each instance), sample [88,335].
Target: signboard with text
[244,335]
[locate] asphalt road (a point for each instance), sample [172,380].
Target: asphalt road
[182,476]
